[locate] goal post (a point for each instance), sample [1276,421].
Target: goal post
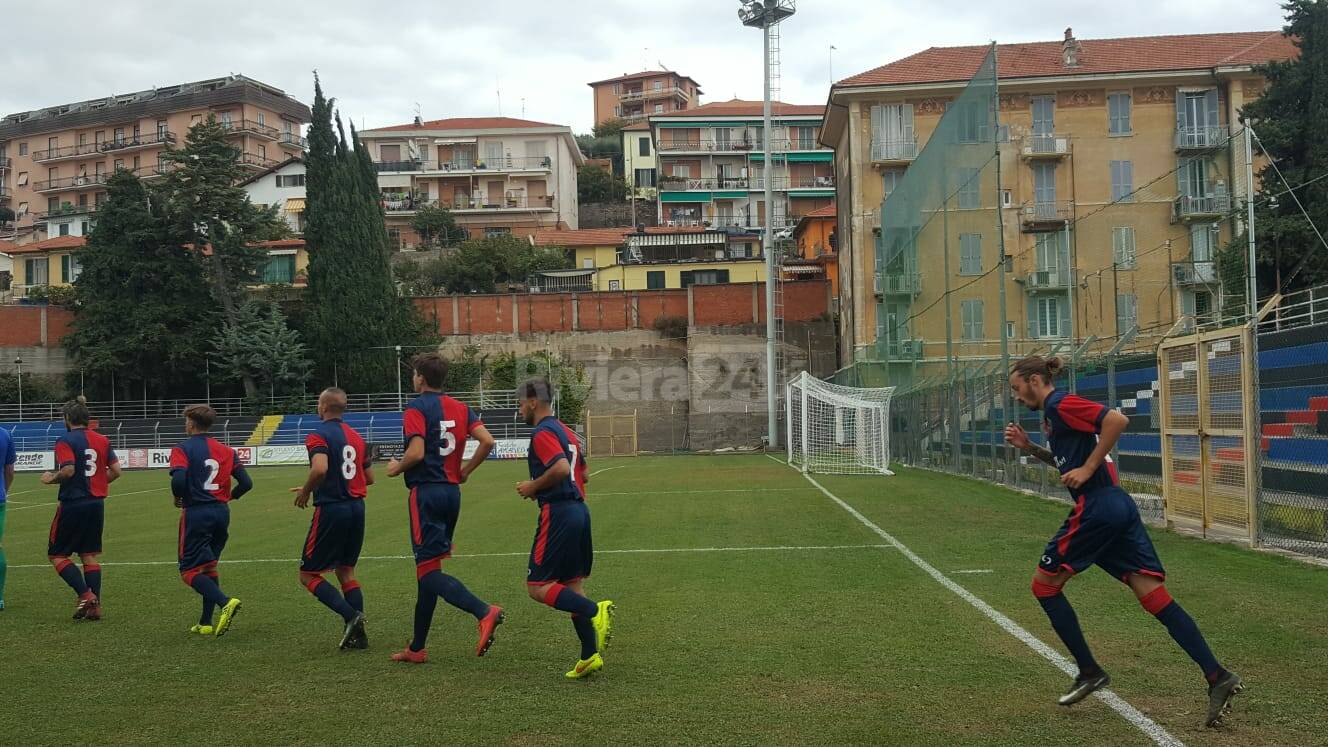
[836,429]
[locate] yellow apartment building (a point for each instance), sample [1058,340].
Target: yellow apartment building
[1122,172]
[660,257]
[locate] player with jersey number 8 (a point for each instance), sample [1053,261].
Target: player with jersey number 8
[435,428]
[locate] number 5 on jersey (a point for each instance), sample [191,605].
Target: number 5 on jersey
[448,438]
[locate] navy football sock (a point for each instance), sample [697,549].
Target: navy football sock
[208,606]
[586,632]
[92,576]
[69,572]
[354,597]
[1066,625]
[454,593]
[1183,629]
[208,588]
[564,599]
[331,598]
[425,602]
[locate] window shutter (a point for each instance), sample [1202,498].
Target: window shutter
[1032,317]
[1210,104]
[1063,314]
[1180,109]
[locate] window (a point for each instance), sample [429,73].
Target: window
[682,169]
[890,179]
[195,119]
[290,180]
[892,131]
[1127,312]
[643,146]
[64,229]
[804,138]
[1048,317]
[657,85]
[261,120]
[617,89]
[972,123]
[280,269]
[1044,186]
[161,128]
[117,135]
[1052,254]
[655,279]
[704,277]
[659,108]
[36,271]
[262,152]
[1122,247]
[1118,114]
[23,149]
[84,228]
[970,254]
[1122,181]
[394,238]
[492,231]
[118,164]
[968,195]
[617,110]
[645,178]
[52,145]
[82,138]
[1201,241]
[226,119]
[70,269]
[1044,115]
[971,314]
[615,285]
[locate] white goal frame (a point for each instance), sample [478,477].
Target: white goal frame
[835,429]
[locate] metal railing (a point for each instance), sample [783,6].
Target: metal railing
[737,145]
[1054,279]
[1186,207]
[70,182]
[1202,138]
[467,165]
[653,93]
[294,138]
[67,210]
[1046,144]
[248,127]
[1038,213]
[253,159]
[1194,273]
[161,137]
[898,284]
[894,150]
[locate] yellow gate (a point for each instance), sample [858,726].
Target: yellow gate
[1209,432]
[611,435]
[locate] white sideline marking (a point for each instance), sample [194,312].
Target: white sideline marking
[524,553]
[112,497]
[594,494]
[607,469]
[1128,712]
[975,570]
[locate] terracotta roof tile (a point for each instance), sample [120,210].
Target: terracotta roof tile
[1096,57]
[468,123]
[739,107]
[643,74]
[49,245]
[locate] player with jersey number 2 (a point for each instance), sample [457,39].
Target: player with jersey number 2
[561,553]
[435,428]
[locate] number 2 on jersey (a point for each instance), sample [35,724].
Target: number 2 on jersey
[213,468]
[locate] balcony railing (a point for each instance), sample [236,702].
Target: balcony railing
[1043,280]
[1202,138]
[294,140]
[70,182]
[1042,216]
[898,283]
[1210,207]
[469,204]
[5,162]
[894,150]
[66,211]
[248,127]
[901,349]
[113,145]
[466,165]
[4,192]
[1046,146]
[1194,273]
[678,184]
[737,145]
[256,161]
[654,93]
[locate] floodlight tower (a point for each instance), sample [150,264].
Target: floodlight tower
[765,15]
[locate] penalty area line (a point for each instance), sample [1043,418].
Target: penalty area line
[1131,714]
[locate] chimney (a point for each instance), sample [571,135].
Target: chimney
[1070,49]
[418,122]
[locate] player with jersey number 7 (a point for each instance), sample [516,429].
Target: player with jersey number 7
[435,428]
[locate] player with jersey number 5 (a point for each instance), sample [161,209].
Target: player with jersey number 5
[435,428]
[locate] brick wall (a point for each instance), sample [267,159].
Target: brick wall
[727,305]
[21,326]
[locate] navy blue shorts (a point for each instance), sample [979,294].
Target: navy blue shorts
[76,527]
[434,508]
[336,534]
[204,530]
[562,549]
[1103,529]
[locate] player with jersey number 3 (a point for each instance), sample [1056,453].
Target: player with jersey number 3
[561,553]
[1103,529]
[435,429]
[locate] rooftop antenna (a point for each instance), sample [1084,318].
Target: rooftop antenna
[499,90]
[523,107]
[645,55]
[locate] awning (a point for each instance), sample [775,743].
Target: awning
[808,157]
[454,140]
[394,180]
[811,193]
[804,269]
[567,273]
[684,197]
[295,204]
[731,194]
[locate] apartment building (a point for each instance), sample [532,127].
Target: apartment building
[608,259]
[636,96]
[712,170]
[282,187]
[1120,178]
[54,162]
[497,175]
[640,164]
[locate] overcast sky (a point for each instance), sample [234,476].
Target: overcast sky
[381,60]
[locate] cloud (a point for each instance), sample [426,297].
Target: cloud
[381,61]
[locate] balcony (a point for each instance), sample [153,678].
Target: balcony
[66,211]
[294,140]
[897,283]
[253,160]
[402,204]
[1199,139]
[1048,280]
[4,193]
[6,162]
[116,145]
[249,127]
[83,181]
[909,350]
[647,94]
[1045,216]
[1194,273]
[1187,209]
[466,166]
[710,145]
[894,151]
[1046,146]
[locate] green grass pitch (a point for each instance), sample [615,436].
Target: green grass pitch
[751,610]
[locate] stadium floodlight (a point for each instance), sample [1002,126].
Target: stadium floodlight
[764,14]
[18,365]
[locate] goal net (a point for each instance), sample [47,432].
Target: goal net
[838,429]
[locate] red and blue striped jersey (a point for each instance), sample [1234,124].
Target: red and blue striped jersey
[444,424]
[549,442]
[91,456]
[209,466]
[1072,424]
[347,459]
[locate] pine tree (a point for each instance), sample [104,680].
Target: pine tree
[1289,118]
[144,313]
[353,305]
[261,346]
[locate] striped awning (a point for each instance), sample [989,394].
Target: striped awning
[295,204]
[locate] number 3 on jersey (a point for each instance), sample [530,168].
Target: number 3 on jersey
[448,438]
